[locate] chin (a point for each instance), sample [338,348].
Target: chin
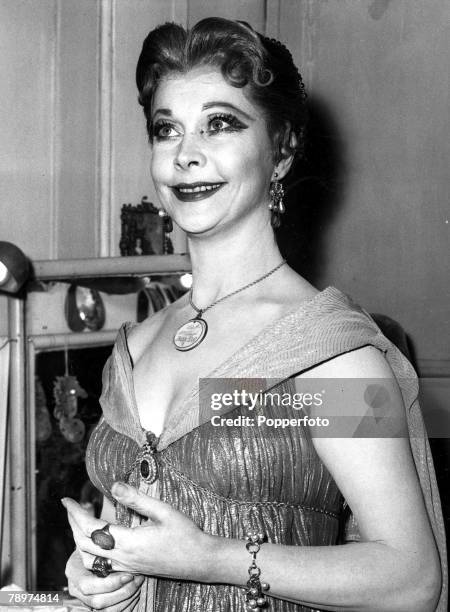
[199,229]
[197,224]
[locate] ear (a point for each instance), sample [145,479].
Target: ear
[287,153]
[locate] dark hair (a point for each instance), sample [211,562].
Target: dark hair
[244,57]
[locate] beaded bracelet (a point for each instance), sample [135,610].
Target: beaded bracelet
[254,595]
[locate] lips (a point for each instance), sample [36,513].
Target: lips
[192,192]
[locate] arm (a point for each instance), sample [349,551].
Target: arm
[396,565]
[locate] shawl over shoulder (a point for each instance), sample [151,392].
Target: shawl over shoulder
[323,327]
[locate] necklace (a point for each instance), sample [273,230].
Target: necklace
[191,334]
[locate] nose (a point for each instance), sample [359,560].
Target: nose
[189,152]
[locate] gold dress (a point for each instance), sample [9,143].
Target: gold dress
[235,479]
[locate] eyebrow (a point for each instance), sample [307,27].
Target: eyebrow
[166,112]
[163,111]
[227,105]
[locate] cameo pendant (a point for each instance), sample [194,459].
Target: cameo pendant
[190,334]
[148,466]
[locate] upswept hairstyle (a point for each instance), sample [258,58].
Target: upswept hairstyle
[244,57]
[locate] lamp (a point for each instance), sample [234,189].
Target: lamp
[14,268]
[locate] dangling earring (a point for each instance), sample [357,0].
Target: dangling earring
[167,228]
[276,205]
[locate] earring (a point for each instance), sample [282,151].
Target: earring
[276,205]
[167,228]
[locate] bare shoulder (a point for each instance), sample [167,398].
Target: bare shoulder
[362,397]
[364,362]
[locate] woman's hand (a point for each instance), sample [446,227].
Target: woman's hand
[117,592]
[169,544]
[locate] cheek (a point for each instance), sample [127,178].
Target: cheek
[160,165]
[244,162]
[255,168]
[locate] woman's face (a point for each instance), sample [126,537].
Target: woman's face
[212,158]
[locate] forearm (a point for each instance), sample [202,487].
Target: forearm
[367,577]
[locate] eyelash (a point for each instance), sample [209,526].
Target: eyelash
[234,125]
[158,126]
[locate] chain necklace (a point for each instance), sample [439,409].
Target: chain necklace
[191,334]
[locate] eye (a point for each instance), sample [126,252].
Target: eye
[163,130]
[224,122]
[217,124]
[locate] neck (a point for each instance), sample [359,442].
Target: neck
[225,262]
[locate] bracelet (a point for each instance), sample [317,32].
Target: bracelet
[254,595]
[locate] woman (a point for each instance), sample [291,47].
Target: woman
[225,110]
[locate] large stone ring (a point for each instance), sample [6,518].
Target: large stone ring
[102,567]
[102,537]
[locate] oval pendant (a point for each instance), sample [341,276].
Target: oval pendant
[148,469]
[189,335]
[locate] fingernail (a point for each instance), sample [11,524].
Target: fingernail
[126,579]
[119,489]
[63,501]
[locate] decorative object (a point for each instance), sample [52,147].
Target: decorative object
[254,593]
[193,332]
[155,296]
[146,462]
[148,466]
[102,567]
[103,538]
[144,230]
[276,205]
[66,391]
[168,225]
[14,268]
[84,309]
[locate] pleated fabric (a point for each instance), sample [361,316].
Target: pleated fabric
[231,480]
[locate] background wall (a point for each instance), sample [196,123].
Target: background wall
[73,147]
[377,69]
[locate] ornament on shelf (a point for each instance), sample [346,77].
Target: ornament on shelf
[144,230]
[66,391]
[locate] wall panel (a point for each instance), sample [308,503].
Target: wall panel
[378,71]
[76,128]
[26,164]
[252,11]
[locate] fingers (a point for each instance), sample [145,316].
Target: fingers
[83,542]
[92,585]
[86,522]
[78,573]
[91,591]
[83,524]
[155,509]
[126,604]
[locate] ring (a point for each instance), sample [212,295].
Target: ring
[102,537]
[102,567]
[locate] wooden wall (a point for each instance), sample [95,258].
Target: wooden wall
[73,147]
